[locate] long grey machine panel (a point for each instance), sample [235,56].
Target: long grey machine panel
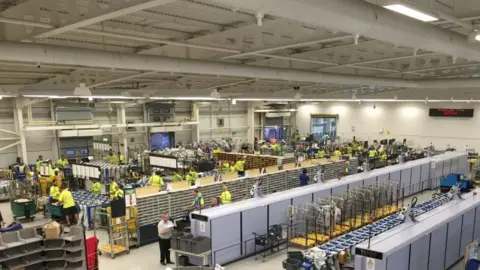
[231,242]
[436,242]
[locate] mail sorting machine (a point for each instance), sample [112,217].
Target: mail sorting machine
[436,241]
[256,215]
[334,252]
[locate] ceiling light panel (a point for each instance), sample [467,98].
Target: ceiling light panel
[412,13]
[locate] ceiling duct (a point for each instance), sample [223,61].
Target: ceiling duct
[365,19]
[51,54]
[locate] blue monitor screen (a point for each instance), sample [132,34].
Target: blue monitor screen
[162,140]
[84,151]
[271,132]
[70,153]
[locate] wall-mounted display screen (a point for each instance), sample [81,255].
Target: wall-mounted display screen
[76,147]
[162,140]
[442,112]
[271,132]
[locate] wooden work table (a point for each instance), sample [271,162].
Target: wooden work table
[233,176]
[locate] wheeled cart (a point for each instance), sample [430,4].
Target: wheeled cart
[117,233]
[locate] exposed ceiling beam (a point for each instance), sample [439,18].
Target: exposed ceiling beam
[99,16]
[121,35]
[232,30]
[435,68]
[26,23]
[122,79]
[162,18]
[366,19]
[381,60]
[289,46]
[297,59]
[25,52]
[153,40]
[231,84]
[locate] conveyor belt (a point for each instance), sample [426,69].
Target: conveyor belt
[351,239]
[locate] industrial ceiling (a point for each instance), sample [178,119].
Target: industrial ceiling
[243,48]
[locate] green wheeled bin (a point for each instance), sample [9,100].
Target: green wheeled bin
[23,208]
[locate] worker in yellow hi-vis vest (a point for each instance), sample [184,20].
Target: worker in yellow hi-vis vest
[121,158]
[112,158]
[155,179]
[62,162]
[226,196]
[240,167]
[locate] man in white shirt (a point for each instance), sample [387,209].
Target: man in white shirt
[165,228]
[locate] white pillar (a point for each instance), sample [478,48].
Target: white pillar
[18,116]
[122,138]
[196,117]
[251,123]
[55,152]
[146,135]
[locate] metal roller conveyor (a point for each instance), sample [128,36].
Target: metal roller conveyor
[347,241]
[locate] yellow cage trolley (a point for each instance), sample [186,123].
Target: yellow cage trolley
[115,229]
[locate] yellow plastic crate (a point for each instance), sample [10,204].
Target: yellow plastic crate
[318,237]
[116,249]
[302,242]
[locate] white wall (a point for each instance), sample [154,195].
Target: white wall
[42,142]
[235,121]
[403,120]
[38,143]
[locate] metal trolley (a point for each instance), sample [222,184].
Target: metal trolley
[117,229]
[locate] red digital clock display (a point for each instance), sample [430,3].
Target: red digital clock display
[441,112]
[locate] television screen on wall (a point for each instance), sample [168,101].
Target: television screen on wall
[442,112]
[162,140]
[271,132]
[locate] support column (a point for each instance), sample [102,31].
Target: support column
[293,121]
[122,139]
[18,116]
[146,135]
[251,123]
[196,117]
[56,153]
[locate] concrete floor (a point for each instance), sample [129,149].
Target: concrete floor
[147,257]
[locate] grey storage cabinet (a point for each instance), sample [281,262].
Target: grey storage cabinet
[27,249]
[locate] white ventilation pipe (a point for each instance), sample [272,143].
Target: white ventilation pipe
[50,54]
[365,19]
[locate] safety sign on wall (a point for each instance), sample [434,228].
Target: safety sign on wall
[370,264]
[130,197]
[202,226]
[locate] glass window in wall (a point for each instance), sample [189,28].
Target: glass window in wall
[324,128]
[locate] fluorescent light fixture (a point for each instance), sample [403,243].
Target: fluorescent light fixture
[412,13]
[82,97]
[186,98]
[44,96]
[234,102]
[272,110]
[358,100]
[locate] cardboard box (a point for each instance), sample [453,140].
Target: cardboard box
[52,230]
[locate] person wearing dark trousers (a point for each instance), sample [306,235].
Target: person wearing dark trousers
[165,228]
[304,179]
